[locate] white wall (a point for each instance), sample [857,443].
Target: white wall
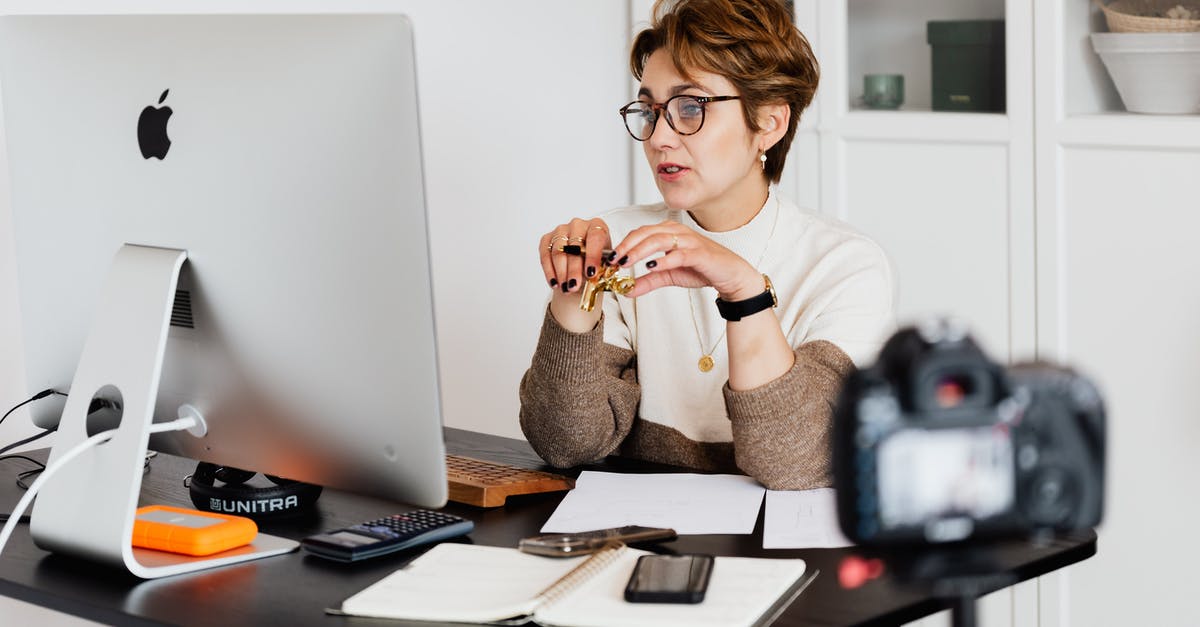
[495,186]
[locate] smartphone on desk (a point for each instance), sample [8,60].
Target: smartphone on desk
[669,579]
[585,542]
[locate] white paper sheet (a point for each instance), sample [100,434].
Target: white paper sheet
[805,519]
[688,503]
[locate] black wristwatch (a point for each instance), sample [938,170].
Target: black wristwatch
[738,309]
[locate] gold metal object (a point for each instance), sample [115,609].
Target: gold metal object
[706,363]
[606,281]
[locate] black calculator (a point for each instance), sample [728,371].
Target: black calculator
[386,535]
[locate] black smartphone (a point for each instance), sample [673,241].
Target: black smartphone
[582,543]
[669,579]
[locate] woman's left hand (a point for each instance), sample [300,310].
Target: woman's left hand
[690,260]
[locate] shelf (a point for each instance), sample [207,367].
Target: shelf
[1087,87]
[1131,130]
[926,126]
[888,37]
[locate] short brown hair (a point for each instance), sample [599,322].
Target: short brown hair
[753,43]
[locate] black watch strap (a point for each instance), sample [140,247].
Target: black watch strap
[738,309]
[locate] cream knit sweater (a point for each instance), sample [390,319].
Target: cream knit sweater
[633,386]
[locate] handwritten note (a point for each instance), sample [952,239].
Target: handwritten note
[688,503]
[805,519]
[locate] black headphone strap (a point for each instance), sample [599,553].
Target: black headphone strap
[286,498]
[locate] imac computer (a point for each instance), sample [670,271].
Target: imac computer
[221,217]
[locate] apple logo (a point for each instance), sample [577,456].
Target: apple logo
[152,130]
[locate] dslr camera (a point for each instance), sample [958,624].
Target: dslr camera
[935,443]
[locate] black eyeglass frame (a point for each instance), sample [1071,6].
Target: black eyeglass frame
[655,108]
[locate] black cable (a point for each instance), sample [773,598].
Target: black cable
[22,476]
[25,474]
[27,440]
[24,457]
[36,397]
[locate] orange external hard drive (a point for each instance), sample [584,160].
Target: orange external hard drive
[190,531]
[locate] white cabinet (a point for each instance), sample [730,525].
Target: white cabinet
[948,195]
[1064,227]
[1118,272]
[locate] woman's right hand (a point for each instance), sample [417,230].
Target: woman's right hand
[566,274]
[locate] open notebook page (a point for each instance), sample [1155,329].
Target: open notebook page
[462,583]
[740,590]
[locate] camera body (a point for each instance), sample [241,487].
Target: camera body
[935,443]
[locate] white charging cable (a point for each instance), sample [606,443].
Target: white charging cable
[175,425]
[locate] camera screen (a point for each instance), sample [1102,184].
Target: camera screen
[927,475]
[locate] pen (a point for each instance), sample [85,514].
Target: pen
[579,251]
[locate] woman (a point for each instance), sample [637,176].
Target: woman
[666,374]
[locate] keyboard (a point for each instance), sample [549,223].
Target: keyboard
[488,484]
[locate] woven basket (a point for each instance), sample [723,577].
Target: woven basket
[1121,20]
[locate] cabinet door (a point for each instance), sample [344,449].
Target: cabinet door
[1123,302]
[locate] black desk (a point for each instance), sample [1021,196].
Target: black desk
[294,589]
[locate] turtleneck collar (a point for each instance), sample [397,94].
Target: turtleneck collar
[749,240]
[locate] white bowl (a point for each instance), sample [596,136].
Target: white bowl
[1154,72]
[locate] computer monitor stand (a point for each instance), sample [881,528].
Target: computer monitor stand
[87,509]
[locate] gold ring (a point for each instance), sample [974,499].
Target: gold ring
[580,238]
[674,242]
[597,226]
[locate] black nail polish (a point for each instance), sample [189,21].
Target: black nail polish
[572,284]
[622,260]
[591,271]
[609,256]
[565,287]
[553,282]
[651,263]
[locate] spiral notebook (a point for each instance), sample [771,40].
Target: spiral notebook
[483,584]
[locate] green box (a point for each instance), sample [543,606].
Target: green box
[968,65]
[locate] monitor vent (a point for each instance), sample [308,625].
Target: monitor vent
[181,311]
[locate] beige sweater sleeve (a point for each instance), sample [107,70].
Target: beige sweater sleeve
[579,396]
[781,430]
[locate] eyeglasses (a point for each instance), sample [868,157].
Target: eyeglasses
[684,113]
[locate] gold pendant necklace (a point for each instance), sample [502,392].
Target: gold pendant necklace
[706,362]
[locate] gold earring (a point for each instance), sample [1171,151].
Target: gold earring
[763,160]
